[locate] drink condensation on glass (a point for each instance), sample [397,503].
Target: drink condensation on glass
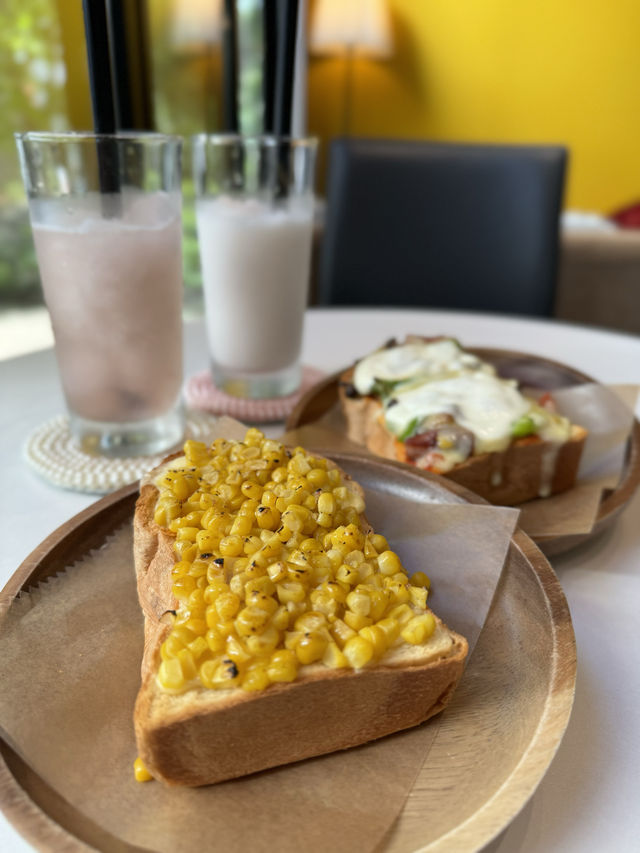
[255,213]
[111,269]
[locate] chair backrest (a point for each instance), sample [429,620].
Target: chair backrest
[442,225]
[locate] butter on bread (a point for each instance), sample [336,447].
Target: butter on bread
[501,467]
[354,691]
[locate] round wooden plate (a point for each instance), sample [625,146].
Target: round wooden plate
[533,372]
[495,740]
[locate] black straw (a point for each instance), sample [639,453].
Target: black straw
[286,30]
[104,120]
[230,66]
[268,62]
[122,90]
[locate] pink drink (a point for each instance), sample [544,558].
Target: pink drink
[113,287]
[255,267]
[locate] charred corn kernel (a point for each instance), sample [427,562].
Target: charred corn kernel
[283,666]
[251,490]
[348,574]
[419,629]
[262,585]
[399,591]
[265,642]
[389,563]
[420,579]
[310,647]
[219,674]
[250,620]
[358,651]
[140,772]
[277,571]
[267,517]
[206,541]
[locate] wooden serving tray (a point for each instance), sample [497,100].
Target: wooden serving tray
[494,743]
[531,371]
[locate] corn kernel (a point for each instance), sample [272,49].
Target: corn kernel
[333,657]
[419,629]
[283,666]
[140,772]
[358,651]
[356,620]
[389,563]
[170,675]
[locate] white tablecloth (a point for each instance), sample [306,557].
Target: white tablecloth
[588,800]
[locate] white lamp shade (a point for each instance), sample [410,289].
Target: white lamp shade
[362,26]
[195,23]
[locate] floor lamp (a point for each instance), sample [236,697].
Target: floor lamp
[352,29]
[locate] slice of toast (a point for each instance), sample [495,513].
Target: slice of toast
[529,468]
[196,735]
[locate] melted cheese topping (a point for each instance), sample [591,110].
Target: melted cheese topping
[423,360]
[485,405]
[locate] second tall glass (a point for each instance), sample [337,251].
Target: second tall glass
[255,208]
[106,219]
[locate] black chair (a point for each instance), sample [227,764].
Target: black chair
[442,225]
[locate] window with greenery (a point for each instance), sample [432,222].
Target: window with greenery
[32,96]
[44,87]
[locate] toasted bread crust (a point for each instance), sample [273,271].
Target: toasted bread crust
[205,736]
[528,469]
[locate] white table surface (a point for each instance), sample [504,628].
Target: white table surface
[588,800]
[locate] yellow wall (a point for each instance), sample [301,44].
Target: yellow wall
[558,71]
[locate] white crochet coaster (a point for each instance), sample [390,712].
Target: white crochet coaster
[54,454]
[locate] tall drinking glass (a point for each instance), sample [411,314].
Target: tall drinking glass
[106,219]
[255,208]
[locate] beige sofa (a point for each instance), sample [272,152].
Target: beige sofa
[599,278]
